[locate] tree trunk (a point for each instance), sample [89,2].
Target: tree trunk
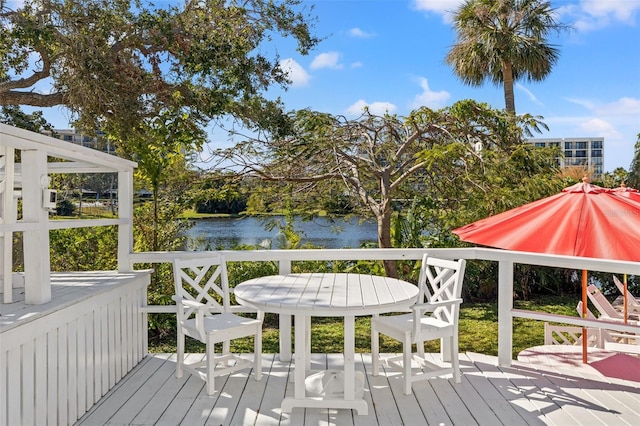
[384,241]
[507,77]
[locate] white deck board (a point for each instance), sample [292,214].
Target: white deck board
[524,393]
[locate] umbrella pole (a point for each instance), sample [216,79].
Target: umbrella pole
[624,298]
[584,315]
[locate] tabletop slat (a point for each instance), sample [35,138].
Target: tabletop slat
[327,294]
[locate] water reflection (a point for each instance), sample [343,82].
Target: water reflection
[227,233]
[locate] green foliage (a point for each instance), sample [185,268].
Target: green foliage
[216,192]
[84,249]
[65,208]
[14,116]
[114,63]
[157,227]
[453,160]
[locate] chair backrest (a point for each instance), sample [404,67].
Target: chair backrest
[441,280]
[604,307]
[203,280]
[631,300]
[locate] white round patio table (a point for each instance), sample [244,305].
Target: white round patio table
[326,295]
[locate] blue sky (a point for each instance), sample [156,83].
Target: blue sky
[389,55]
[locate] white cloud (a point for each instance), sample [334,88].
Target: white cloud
[528,93]
[295,72]
[430,98]
[376,108]
[616,121]
[601,128]
[357,64]
[326,60]
[446,8]
[591,15]
[358,33]
[622,108]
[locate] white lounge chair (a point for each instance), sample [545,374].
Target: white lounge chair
[204,314]
[597,337]
[633,304]
[434,316]
[612,340]
[605,309]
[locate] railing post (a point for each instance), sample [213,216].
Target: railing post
[505,318]
[37,265]
[284,266]
[284,321]
[125,213]
[8,215]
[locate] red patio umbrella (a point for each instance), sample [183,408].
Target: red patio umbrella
[624,191]
[583,220]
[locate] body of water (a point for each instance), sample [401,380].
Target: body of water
[227,233]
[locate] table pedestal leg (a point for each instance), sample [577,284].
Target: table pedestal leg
[285,337]
[349,358]
[302,358]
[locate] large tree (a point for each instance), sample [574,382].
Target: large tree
[380,159]
[114,63]
[504,41]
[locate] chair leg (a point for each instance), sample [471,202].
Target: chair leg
[406,362]
[179,354]
[455,361]
[375,349]
[226,350]
[211,363]
[257,354]
[420,349]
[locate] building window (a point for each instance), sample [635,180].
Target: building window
[596,144]
[568,145]
[581,154]
[554,144]
[540,144]
[596,153]
[581,145]
[568,154]
[67,138]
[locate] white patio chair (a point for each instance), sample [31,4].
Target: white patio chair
[434,316]
[204,313]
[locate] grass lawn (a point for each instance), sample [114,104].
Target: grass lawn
[478,331]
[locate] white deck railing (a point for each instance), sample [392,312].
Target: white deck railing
[28,180]
[505,259]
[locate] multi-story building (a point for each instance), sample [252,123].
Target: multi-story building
[587,153]
[99,142]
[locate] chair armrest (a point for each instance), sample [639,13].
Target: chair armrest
[188,303]
[431,306]
[420,308]
[200,310]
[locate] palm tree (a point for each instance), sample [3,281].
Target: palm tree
[504,41]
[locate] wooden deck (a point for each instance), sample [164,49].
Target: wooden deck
[547,392]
